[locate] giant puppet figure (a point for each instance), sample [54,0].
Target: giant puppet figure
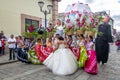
[102,41]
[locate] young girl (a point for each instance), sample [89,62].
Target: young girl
[91,63]
[75,50]
[42,51]
[32,54]
[83,53]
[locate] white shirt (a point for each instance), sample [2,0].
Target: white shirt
[12,45]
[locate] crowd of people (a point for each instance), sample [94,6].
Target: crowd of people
[63,54]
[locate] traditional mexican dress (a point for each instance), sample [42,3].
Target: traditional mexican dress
[91,63]
[22,55]
[62,61]
[83,54]
[43,52]
[33,58]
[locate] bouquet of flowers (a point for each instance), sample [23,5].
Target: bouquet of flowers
[30,32]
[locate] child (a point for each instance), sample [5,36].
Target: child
[91,63]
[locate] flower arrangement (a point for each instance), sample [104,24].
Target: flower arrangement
[84,24]
[30,32]
[69,29]
[95,21]
[41,32]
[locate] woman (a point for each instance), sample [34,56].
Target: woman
[32,54]
[75,50]
[83,53]
[91,63]
[62,61]
[21,53]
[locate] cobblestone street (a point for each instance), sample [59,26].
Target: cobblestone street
[22,71]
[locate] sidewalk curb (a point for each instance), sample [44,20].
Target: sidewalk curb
[8,62]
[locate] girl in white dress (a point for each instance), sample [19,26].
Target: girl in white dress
[62,61]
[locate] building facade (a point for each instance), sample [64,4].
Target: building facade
[15,14]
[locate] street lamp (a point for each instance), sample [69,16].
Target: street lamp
[41,4]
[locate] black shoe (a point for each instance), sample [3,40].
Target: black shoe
[102,63]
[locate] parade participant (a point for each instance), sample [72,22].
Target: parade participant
[28,44]
[59,27]
[91,63]
[62,61]
[49,43]
[70,41]
[11,45]
[102,41]
[42,51]
[83,53]
[21,52]
[75,50]
[32,54]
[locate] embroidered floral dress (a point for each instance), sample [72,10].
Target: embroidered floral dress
[83,54]
[91,63]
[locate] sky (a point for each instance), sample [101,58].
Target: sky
[96,6]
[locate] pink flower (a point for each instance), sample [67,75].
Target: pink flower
[49,29]
[80,15]
[68,20]
[78,20]
[31,28]
[92,20]
[79,24]
[83,21]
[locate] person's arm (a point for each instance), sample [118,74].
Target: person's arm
[9,42]
[22,45]
[56,47]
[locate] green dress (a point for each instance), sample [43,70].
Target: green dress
[83,57]
[32,57]
[83,54]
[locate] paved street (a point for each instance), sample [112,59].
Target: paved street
[22,71]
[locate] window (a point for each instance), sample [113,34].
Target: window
[29,22]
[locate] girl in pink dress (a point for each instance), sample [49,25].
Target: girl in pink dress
[91,63]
